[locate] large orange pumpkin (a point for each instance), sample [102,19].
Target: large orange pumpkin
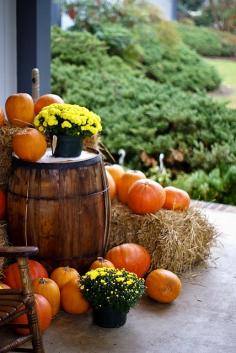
[72,300]
[101,262]
[116,171]
[176,199]
[12,275]
[44,313]
[20,109]
[163,286]
[2,118]
[29,144]
[146,196]
[132,257]
[50,290]
[2,205]
[112,185]
[45,100]
[63,275]
[125,182]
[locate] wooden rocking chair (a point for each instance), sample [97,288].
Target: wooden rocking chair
[15,302]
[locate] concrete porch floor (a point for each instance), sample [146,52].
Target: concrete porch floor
[201,320]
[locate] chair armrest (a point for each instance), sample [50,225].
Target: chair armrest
[18,251]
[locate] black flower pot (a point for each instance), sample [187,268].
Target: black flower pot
[109,317]
[68,146]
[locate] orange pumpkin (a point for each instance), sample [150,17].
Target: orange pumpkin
[176,199]
[3,201]
[72,300]
[116,171]
[12,275]
[163,286]
[20,109]
[2,118]
[112,185]
[125,182]
[101,262]
[4,286]
[50,290]
[44,313]
[29,144]
[146,196]
[45,100]
[132,257]
[63,275]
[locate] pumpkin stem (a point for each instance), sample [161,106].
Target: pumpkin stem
[99,258]
[42,280]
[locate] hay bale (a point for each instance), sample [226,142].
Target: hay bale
[6,134]
[3,241]
[176,240]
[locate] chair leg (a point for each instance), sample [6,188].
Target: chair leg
[37,342]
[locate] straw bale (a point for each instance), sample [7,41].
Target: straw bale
[6,134]
[3,241]
[176,240]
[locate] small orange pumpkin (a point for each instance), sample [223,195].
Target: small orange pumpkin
[50,290]
[72,300]
[146,196]
[63,275]
[132,257]
[176,199]
[112,185]
[116,171]
[163,286]
[20,109]
[45,100]
[29,144]
[101,262]
[125,182]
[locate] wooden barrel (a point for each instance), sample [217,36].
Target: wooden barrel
[63,207]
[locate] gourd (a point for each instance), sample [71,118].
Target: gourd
[72,300]
[112,186]
[116,171]
[163,286]
[101,262]
[50,290]
[20,109]
[125,182]
[146,196]
[29,144]
[63,275]
[132,257]
[45,100]
[176,199]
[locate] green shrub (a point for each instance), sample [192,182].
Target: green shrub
[206,41]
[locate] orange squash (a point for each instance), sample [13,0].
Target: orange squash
[63,275]
[72,300]
[12,275]
[112,186]
[146,196]
[116,171]
[50,290]
[101,262]
[45,100]
[3,201]
[176,199]
[163,286]
[44,313]
[20,109]
[125,182]
[29,144]
[132,257]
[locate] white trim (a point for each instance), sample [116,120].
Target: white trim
[8,50]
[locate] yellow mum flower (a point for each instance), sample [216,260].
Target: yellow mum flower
[66,124]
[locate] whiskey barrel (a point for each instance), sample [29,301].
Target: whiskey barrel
[60,206]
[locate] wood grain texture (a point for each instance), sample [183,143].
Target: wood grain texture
[64,212]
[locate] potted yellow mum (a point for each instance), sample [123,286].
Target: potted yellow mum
[111,293]
[70,123]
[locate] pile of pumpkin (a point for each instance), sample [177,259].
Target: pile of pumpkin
[62,288]
[28,143]
[143,195]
